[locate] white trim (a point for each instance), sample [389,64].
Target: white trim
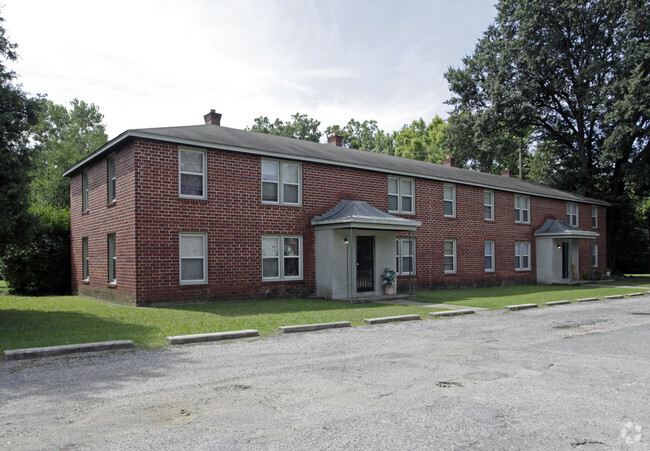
[453,255]
[280,258]
[518,253]
[111,182]
[594,255]
[594,216]
[280,183]
[204,174]
[112,258]
[399,255]
[573,213]
[518,200]
[85,259]
[190,142]
[400,195]
[452,200]
[85,191]
[492,257]
[204,257]
[491,204]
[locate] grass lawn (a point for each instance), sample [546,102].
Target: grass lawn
[497,297]
[27,322]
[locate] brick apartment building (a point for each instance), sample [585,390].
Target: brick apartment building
[200,213]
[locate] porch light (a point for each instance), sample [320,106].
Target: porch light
[345,240]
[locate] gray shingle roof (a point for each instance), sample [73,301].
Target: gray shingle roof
[348,213]
[219,137]
[559,228]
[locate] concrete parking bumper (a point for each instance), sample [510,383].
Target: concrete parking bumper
[313,327]
[519,307]
[390,319]
[452,313]
[30,353]
[217,336]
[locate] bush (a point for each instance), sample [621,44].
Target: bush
[41,264]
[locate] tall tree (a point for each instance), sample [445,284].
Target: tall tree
[300,127]
[364,135]
[18,112]
[422,141]
[574,76]
[62,137]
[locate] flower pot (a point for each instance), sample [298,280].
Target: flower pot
[389,290]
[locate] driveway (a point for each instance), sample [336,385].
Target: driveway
[569,377]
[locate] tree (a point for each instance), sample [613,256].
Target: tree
[18,112]
[62,137]
[301,127]
[364,135]
[571,76]
[422,141]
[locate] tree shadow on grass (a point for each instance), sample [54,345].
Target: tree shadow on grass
[33,328]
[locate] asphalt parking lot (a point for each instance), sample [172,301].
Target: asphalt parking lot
[566,377]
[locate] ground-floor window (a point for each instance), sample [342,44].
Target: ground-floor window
[489,256]
[112,259]
[522,256]
[85,260]
[594,255]
[193,261]
[450,256]
[405,256]
[281,257]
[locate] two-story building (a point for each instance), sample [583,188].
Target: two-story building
[205,212]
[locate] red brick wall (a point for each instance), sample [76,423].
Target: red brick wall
[235,219]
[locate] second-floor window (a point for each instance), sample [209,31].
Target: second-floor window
[192,173]
[572,214]
[594,216]
[522,208]
[401,195]
[281,182]
[449,200]
[488,205]
[111,178]
[84,191]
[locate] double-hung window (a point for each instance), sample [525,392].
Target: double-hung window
[401,195]
[522,209]
[112,259]
[281,182]
[85,260]
[572,214]
[489,256]
[192,173]
[405,256]
[594,255]
[594,216]
[488,205]
[522,256]
[193,258]
[449,200]
[111,178]
[84,191]
[450,256]
[281,257]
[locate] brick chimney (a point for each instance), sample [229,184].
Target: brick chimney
[449,161]
[212,118]
[335,140]
[506,172]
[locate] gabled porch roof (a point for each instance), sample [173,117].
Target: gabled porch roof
[555,228]
[361,215]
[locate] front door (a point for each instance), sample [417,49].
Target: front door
[566,260]
[365,263]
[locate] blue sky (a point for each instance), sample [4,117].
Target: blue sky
[149,63]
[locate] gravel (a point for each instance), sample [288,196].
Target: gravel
[574,377]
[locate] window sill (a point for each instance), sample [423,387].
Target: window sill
[408,213]
[111,285]
[523,270]
[85,282]
[85,212]
[111,204]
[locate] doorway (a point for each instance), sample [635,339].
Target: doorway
[365,263]
[566,260]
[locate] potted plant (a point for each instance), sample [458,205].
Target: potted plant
[388,281]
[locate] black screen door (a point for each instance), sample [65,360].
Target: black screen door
[365,263]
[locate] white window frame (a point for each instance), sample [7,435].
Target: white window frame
[519,255]
[400,195]
[449,200]
[594,255]
[280,257]
[203,174]
[85,260]
[112,258]
[572,214]
[204,258]
[490,204]
[280,183]
[404,248]
[112,179]
[489,243]
[85,190]
[521,209]
[594,216]
[452,255]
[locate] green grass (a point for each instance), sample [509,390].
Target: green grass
[497,297]
[27,322]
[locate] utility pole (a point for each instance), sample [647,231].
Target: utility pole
[521,166]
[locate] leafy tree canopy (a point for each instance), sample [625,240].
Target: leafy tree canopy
[422,141]
[300,127]
[364,135]
[62,137]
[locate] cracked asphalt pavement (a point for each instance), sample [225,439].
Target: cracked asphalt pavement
[569,377]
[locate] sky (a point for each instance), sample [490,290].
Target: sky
[162,63]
